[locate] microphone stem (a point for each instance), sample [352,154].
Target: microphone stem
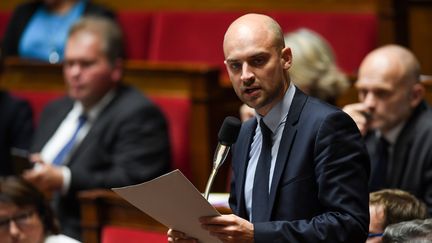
[210,183]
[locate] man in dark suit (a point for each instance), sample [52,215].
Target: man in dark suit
[315,185]
[119,137]
[392,110]
[16,129]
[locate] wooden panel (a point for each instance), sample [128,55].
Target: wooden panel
[420,34]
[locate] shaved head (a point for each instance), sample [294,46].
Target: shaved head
[389,86]
[398,62]
[257,61]
[254,27]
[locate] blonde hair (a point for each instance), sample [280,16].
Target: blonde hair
[108,31]
[314,67]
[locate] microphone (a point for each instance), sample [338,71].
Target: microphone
[227,135]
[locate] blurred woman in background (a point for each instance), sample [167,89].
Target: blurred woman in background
[25,214]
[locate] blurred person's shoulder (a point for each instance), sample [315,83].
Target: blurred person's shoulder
[60,239]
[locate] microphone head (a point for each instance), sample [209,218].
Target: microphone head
[229,131]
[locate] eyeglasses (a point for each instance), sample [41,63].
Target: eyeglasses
[371,235]
[21,220]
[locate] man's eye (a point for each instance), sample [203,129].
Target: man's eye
[362,93]
[381,94]
[234,66]
[67,64]
[258,61]
[4,222]
[86,63]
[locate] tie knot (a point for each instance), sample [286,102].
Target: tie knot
[82,118]
[265,130]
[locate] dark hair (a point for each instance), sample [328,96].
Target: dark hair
[415,231]
[17,191]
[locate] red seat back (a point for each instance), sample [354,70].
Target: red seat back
[177,112]
[113,234]
[351,35]
[190,36]
[197,36]
[136,26]
[37,99]
[4,20]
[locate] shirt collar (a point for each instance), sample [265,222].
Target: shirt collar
[94,112]
[393,134]
[279,112]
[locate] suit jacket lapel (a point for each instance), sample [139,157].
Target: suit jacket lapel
[400,156]
[100,123]
[402,148]
[286,142]
[49,123]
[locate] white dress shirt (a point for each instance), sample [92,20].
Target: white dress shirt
[275,121]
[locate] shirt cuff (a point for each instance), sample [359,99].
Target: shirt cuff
[66,179]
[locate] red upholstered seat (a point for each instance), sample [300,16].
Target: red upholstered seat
[4,20]
[190,36]
[351,35]
[38,99]
[136,26]
[177,113]
[113,234]
[197,36]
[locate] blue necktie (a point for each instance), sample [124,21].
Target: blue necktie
[58,160]
[379,169]
[260,191]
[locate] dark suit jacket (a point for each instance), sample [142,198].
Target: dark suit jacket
[319,189]
[21,17]
[411,166]
[16,129]
[127,144]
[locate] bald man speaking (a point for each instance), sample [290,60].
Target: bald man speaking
[300,169]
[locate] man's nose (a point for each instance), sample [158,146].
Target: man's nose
[369,100]
[247,75]
[13,229]
[75,69]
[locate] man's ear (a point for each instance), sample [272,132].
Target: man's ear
[117,70]
[417,94]
[286,58]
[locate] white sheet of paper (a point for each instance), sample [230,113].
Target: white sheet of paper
[174,201]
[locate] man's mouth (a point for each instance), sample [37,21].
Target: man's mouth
[251,90]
